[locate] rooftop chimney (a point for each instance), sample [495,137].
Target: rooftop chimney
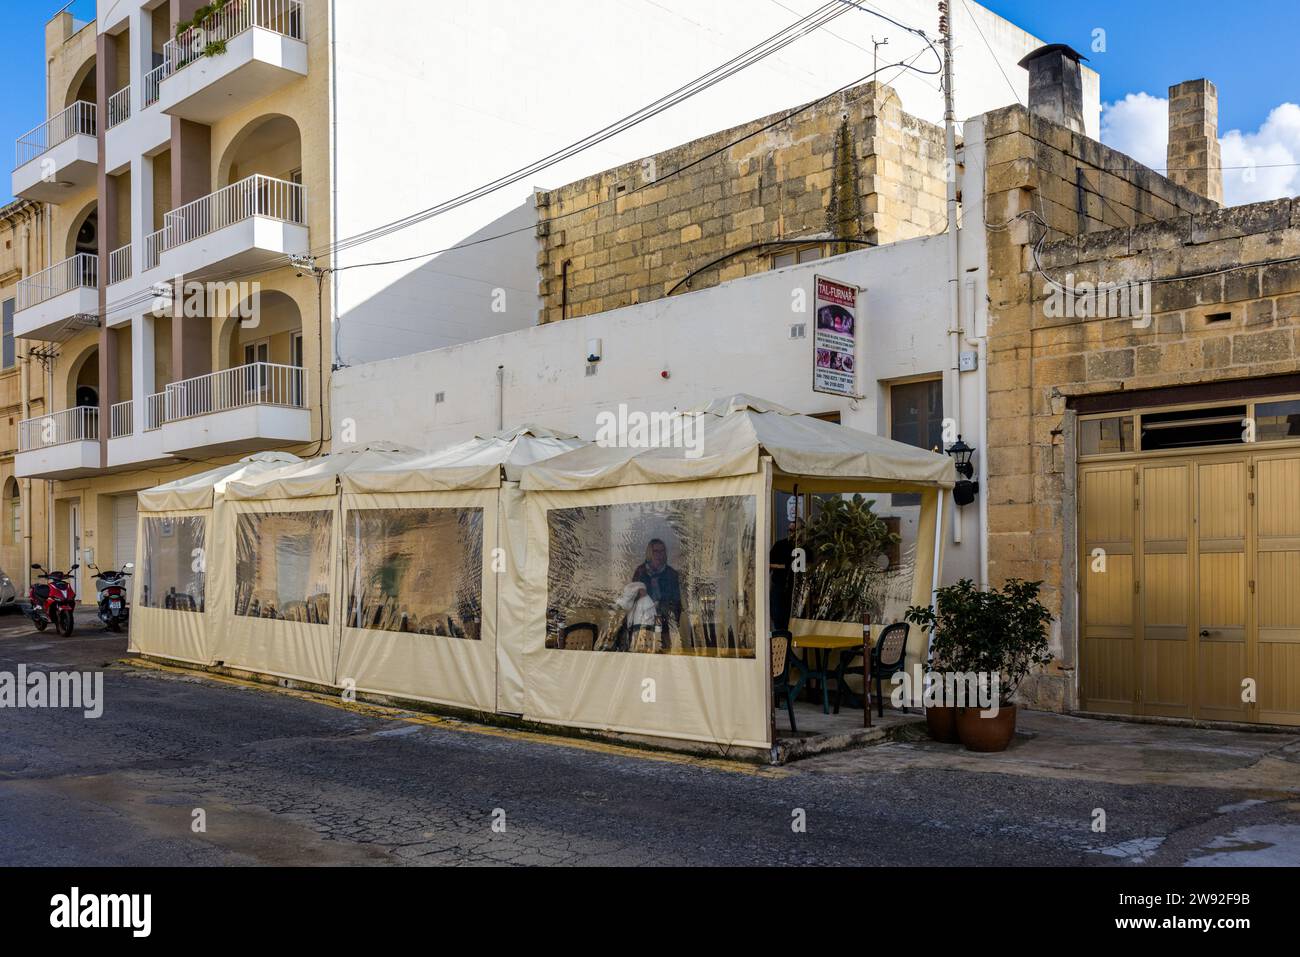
[1055,85]
[1194,159]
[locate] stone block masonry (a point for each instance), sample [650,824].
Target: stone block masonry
[853,167]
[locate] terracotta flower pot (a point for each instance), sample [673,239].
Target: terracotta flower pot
[986,734]
[941,722]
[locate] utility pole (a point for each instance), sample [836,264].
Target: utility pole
[875,54]
[954,252]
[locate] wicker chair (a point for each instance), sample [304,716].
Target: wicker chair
[887,660]
[781,661]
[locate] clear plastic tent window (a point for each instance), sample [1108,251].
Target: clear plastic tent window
[668,577]
[172,573]
[282,566]
[416,570]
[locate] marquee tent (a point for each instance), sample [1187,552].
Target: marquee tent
[687,525]
[277,553]
[423,554]
[169,614]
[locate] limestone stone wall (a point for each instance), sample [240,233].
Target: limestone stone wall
[1100,215]
[855,166]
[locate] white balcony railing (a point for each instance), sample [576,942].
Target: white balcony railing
[59,428]
[120,422]
[153,248]
[119,264]
[119,107]
[152,87]
[279,16]
[77,119]
[155,411]
[259,383]
[255,196]
[79,272]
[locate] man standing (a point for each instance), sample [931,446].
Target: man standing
[781,590]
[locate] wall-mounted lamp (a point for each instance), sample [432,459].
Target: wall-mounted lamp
[964,492]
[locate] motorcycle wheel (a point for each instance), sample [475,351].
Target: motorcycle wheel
[66,623]
[115,626]
[40,624]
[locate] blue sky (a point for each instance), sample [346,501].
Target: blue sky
[1246,48]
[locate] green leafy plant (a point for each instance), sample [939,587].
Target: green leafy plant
[987,631]
[215,48]
[844,545]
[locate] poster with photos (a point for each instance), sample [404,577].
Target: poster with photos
[835,340]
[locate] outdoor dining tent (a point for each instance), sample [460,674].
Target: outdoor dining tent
[702,500]
[277,554]
[422,558]
[169,614]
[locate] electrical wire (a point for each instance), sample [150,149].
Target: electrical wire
[818,18]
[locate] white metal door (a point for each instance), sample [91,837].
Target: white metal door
[124,527]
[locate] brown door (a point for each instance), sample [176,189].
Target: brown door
[1223,588]
[1166,651]
[1108,665]
[1275,660]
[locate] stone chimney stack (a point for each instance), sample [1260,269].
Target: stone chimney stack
[1194,159]
[1056,85]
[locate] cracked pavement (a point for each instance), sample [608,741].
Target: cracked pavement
[282,779]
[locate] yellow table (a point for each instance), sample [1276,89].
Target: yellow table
[822,646]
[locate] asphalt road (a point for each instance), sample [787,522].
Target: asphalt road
[280,779]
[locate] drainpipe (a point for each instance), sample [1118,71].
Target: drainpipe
[979,342]
[501,398]
[24,385]
[954,252]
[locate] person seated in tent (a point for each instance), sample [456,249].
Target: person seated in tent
[661,583]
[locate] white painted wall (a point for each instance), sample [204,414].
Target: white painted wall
[716,342]
[432,99]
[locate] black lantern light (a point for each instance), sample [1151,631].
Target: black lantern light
[965,490]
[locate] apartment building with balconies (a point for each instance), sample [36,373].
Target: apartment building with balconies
[175,154]
[305,149]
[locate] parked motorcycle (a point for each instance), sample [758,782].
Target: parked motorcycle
[110,594]
[53,598]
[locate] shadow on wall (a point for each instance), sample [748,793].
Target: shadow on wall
[486,287]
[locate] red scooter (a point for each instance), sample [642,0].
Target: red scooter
[53,600]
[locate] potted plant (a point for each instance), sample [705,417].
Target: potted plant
[989,634]
[845,576]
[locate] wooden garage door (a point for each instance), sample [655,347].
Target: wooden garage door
[1190,587]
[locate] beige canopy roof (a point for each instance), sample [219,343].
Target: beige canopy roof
[725,437]
[319,476]
[478,463]
[196,492]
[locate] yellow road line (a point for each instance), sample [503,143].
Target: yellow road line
[455,724]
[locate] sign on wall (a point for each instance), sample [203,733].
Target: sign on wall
[835,342]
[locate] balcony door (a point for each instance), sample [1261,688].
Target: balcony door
[297,382]
[256,374]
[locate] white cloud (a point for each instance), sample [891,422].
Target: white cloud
[1258,166]
[1138,126]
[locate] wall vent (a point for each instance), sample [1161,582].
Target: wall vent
[799,330]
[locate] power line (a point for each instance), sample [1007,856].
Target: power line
[826,13]
[778,41]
